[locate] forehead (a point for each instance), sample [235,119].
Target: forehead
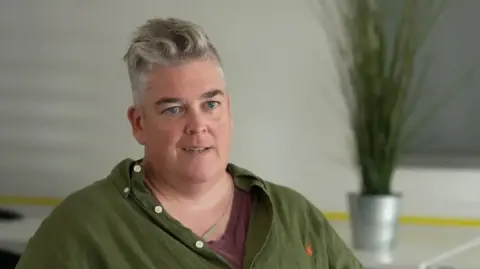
[189,80]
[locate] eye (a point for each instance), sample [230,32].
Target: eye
[175,110]
[212,104]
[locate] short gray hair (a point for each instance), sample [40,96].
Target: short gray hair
[163,43]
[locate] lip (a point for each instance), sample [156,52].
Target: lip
[197,150]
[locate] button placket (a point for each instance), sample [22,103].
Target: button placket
[158,209]
[137,168]
[199,244]
[131,188]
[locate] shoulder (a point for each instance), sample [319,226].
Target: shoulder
[86,206]
[290,202]
[66,238]
[71,235]
[87,201]
[286,194]
[286,201]
[93,199]
[76,221]
[75,213]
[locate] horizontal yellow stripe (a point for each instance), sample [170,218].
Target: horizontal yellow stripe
[416,220]
[332,216]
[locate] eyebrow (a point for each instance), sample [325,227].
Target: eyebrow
[168,100]
[173,100]
[212,93]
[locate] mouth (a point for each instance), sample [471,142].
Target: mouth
[197,150]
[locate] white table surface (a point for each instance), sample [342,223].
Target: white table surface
[416,244]
[420,243]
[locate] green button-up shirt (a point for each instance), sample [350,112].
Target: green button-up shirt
[117,223]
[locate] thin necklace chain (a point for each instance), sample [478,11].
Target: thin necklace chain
[212,228]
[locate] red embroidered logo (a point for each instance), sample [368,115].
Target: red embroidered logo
[309,250]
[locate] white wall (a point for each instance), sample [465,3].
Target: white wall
[64,94]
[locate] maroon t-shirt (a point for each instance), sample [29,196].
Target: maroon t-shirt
[232,244]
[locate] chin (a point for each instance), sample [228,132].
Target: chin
[200,173]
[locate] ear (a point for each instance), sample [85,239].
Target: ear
[135,117]
[230,114]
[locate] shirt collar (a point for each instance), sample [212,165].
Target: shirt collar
[128,176]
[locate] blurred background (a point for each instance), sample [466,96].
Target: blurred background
[64,94]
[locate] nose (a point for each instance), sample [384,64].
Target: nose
[196,124]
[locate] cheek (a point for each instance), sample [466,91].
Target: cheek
[222,131]
[221,117]
[219,121]
[164,134]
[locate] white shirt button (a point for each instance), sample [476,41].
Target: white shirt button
[199,244]
[126,190]
[158,209]
[137,168]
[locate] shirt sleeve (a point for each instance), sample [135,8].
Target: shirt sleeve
[61,242]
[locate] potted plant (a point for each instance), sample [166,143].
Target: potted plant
[378,62]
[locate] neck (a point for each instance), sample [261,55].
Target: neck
[182,191]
